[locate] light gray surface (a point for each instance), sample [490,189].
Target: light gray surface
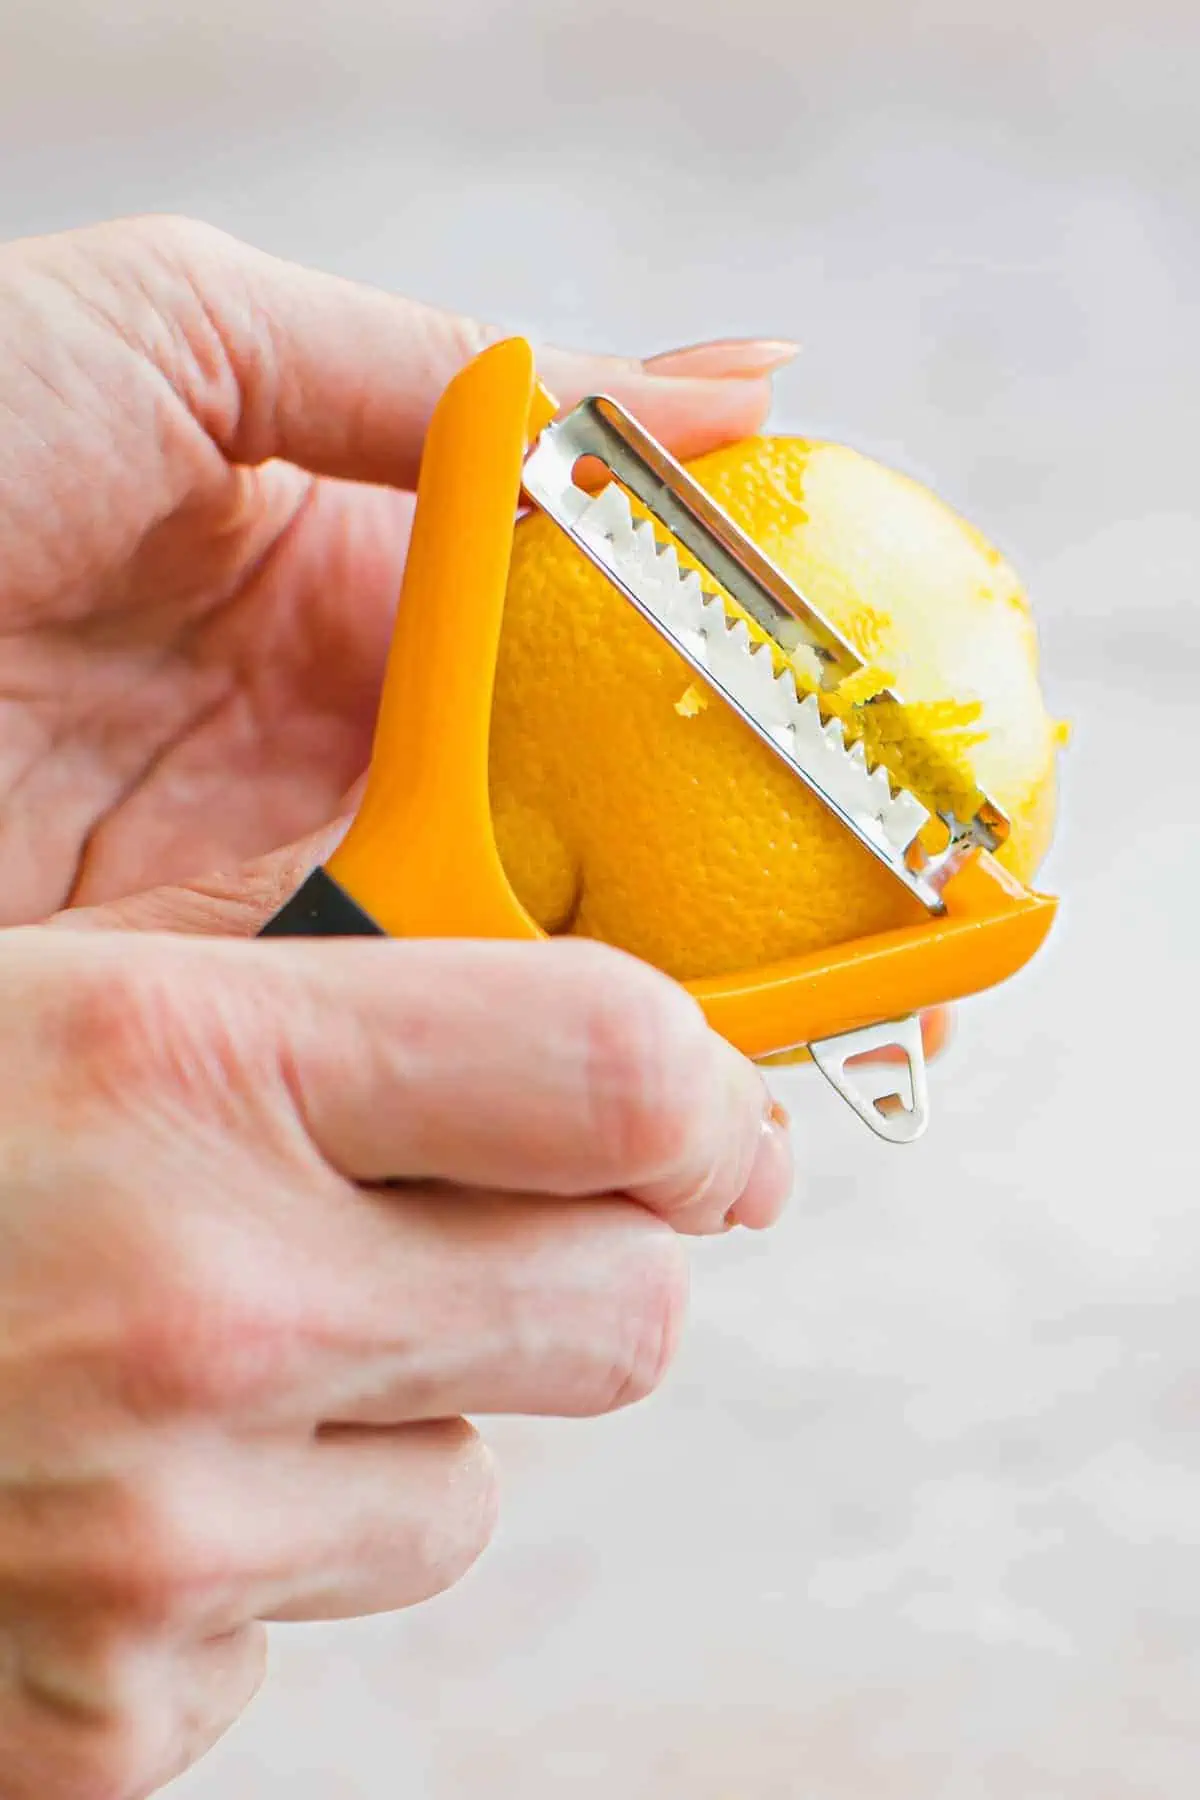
[918,1517]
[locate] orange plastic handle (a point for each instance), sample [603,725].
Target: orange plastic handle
[991,928]
[421,857]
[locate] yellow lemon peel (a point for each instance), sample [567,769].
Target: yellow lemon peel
[624,812]
[693,700]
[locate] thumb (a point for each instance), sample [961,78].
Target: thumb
[224,903]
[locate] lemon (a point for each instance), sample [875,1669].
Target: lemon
[632,805]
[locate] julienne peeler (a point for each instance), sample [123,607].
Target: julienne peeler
[420,858]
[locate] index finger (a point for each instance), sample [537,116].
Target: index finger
[277,360]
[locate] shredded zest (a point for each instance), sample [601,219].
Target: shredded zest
[693,700]
[924,746]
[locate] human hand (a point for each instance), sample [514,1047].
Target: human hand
[234,1365]
[205,459]
[229,1352]
[204,462]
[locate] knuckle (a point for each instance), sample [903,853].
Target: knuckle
[653,1304]
[645,1043]
[116,1556]
[131,266]
[165,1360]
[81,1731]
[163,1027]
[149,1574]
[157,1559]
[170,237]
[114,1716]
[116,1019]
[458,1528]
[464,337]
[209,1339]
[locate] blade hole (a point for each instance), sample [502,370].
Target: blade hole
[591,474]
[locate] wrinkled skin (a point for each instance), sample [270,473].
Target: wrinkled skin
[235,1356]
[203,465]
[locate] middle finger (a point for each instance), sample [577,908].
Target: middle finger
[450,1301]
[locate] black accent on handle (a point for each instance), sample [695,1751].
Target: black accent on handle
[320,908]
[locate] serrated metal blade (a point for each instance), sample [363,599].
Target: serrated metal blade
[694,619]
[744,672]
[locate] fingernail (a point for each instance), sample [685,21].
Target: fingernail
[770,1180]
[729,359]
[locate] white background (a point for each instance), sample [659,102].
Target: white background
[918,1517]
